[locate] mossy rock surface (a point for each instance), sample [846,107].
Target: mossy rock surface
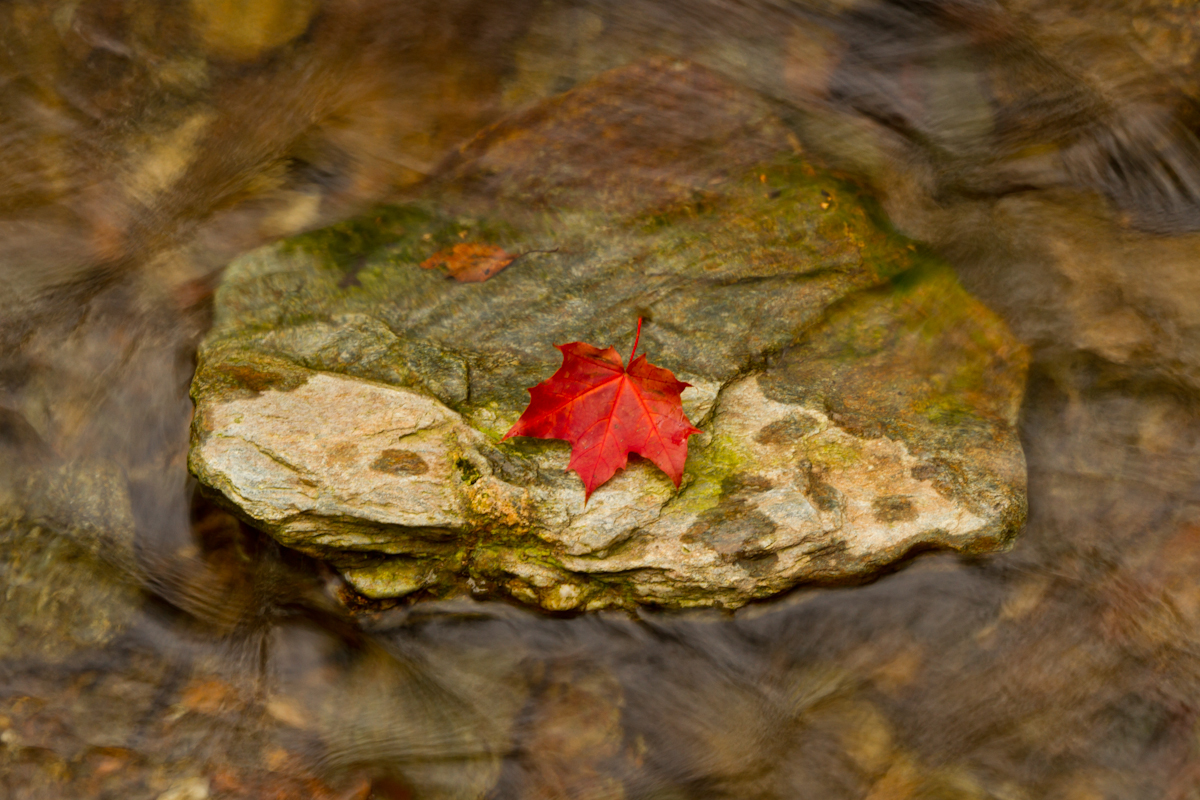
[856,402]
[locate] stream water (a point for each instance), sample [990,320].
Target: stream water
[151,645]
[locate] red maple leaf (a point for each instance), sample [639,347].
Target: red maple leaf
[607,412]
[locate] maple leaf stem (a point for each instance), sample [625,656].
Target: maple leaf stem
[636,339]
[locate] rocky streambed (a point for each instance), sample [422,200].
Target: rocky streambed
[856,403]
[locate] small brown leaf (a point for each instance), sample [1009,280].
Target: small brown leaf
[470,262]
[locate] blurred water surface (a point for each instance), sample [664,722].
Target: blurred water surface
[153,646]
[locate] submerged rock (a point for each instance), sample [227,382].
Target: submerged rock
[856,403]
[59,599]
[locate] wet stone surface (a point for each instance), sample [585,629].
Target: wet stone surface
[856,403]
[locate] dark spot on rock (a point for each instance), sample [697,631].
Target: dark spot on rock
[400,462]
[511,469]
[828,559]
[469,472]
[823,496]
[858,424]
[260,380]
[759,565]
[731,529]
[788,430]
[925,472]
[946,478]
[744,482]
[893,508]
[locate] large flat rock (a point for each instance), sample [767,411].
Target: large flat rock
[855,402]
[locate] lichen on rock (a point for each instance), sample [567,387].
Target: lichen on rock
[856,402]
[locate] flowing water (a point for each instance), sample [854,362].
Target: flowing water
[151,645]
